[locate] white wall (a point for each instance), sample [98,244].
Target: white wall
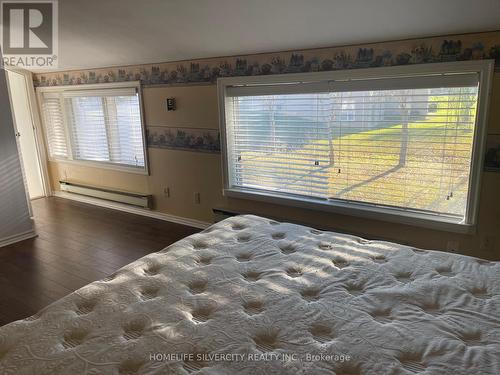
[15,222]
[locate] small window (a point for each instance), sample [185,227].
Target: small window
[348,111]
[405,143]
[101,127]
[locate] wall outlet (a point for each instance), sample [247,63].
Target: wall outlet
[197,198]
[453,246]
[487,243]
[166,192]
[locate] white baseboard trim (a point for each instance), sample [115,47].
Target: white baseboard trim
[17,237]
[133,210]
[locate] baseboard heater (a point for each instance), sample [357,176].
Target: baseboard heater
[134,199]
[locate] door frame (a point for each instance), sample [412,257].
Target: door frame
[41,151]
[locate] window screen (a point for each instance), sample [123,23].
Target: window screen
[401,143]
[95,125]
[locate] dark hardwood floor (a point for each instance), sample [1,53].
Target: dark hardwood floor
[76,244]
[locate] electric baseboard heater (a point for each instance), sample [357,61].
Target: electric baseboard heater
[134,199]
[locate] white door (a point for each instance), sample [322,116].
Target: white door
[25,130]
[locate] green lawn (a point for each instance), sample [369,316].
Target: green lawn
[371,166]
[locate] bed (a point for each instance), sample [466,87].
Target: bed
[253,296]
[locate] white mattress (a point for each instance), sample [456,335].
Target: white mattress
[253,296]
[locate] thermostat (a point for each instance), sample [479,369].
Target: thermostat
[170,104]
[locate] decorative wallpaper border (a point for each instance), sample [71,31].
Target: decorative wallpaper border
[415,51]
[188,139]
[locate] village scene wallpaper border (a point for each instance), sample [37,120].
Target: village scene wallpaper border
[187,139]
[415,51]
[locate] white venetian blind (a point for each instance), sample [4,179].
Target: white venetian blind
[102,125]
[55,130]
[404,143]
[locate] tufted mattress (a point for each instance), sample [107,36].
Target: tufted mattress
[253,296]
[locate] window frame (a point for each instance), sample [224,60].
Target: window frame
[69,142]
[484,68]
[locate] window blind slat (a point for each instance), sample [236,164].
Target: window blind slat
[55,129]
[403,143]
[437,81]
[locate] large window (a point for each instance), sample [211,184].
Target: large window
[100,126]
[403,143]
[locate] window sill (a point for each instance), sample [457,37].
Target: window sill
[103,165]
[441,223]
